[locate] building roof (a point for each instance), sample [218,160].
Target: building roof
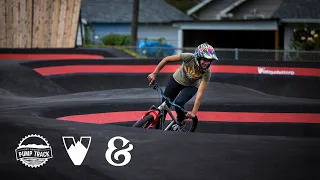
[298,9]
[198,6]
[288,9]
[120,11]
[224,6]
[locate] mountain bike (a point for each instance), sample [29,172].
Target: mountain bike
[154,117]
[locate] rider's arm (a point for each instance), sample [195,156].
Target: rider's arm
[203,85]
[165,60]
[201,90]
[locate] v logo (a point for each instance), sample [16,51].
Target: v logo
[76,151]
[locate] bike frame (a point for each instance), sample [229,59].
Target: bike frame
[159,115]
[163,107]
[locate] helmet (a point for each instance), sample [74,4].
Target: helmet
[205,51]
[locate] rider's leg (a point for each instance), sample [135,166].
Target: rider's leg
[171,91]
[186,94]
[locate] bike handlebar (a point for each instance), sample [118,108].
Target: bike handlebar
[156,86]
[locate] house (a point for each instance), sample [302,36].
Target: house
[246,24]
[295,13]
[115,16]
[253,24]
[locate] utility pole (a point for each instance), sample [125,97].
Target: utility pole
[134,26]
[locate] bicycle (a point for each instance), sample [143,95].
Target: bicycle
[154,117]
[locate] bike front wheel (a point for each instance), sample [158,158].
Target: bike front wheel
[144,122]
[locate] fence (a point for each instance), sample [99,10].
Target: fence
[237,54]
[38,23]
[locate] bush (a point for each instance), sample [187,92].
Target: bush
[127,50]
[116,40]
[306,38]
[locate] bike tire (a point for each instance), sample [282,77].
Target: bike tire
[144,122]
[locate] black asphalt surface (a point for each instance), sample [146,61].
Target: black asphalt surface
[30,104]
[161,155]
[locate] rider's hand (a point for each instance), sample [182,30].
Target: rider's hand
[151,78]
[190,115]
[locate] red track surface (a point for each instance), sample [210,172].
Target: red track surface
[70,69]
[114,117]
[48,56]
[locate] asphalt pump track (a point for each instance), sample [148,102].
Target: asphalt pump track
[219,149]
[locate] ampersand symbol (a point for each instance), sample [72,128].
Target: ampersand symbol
[124,152]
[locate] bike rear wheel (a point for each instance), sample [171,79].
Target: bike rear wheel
[144,122]
[191,125]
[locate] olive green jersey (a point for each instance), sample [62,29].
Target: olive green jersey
[189,73]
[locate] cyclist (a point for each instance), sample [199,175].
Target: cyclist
[189,79]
